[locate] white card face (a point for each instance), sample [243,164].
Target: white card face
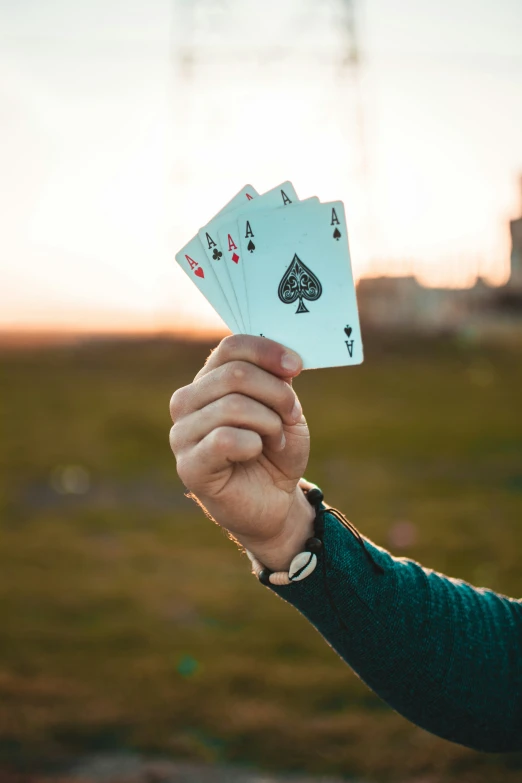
[193,261]
[236,257]
[300,281]
[225,261]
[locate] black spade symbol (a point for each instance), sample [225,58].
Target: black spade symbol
[347,330]
[216,255]
[299,282]
[337,234]
[251,247]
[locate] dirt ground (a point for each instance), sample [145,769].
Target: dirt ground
[135,769]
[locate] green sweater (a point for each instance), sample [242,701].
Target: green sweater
[446,655]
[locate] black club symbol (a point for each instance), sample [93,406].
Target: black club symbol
[216,255]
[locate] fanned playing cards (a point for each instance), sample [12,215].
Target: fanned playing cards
[275,266]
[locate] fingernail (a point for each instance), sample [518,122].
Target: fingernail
[297,411]
[290,361]
[283,442]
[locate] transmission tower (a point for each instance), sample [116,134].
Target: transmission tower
[202,43]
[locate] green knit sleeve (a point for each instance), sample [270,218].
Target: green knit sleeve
[446,655]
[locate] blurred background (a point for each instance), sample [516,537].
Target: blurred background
[132,629]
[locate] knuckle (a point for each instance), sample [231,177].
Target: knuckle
[178,402]
[183,470]
[234,404]
[174,439]
[231,345]
[221,440]
[233,373]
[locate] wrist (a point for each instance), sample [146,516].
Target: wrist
[278,553]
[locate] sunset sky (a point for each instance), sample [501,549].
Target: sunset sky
[112,156]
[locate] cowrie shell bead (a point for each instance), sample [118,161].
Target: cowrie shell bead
[302,566]
[279,578]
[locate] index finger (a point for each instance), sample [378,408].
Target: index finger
[265,353]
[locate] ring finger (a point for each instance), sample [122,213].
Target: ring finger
[232,410]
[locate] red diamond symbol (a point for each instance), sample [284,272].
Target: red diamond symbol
[235,258]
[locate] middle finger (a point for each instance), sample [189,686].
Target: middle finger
[241,378]
[233,410]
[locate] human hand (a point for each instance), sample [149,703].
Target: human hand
[241,444]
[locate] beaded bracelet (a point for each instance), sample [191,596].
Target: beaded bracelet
[305,562]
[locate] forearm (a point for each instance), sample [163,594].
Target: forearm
[444,654]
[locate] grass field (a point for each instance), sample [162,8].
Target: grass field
[131,621]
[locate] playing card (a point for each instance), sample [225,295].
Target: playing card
[245,195]
[237,258]
[300,282]
[193,261]
[223,256]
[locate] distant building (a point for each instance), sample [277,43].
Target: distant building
[403,304]
[515,228]
[515,280]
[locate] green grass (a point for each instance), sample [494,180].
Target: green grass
[131,621]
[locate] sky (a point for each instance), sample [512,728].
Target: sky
[113,153]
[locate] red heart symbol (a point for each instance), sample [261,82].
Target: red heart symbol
[199,272]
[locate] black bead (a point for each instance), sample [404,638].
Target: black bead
[264,576]
[315,496]
[314,544]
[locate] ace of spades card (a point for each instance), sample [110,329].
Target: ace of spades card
[300,283]
[232,226]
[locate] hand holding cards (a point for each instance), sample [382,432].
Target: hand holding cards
[275,266]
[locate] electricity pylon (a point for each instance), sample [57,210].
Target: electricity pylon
[205,38]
